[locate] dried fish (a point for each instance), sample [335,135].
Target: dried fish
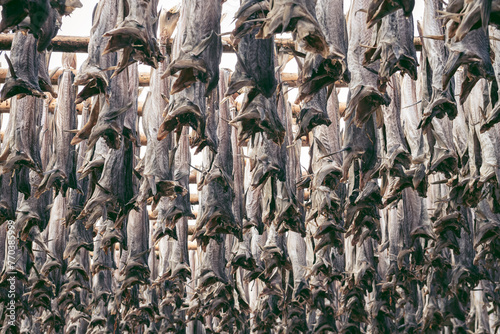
[396,155]
[254,67]
[392,43]
[298,17]
[21,149]
[436,101]
[365,98]
[23,68]
[361,144]
[110,121]
[91,74]
[473,54]
[312,114]
[187,108]
[43,74]
[201,46]
[471,15]
[171,210]
[66,7]
[493,115]
[250,15]
[378,9]
[13,13]
[216,215]
[410,116]
[136,35]
[318,72]
[49,30]
[61,170]
[288,215]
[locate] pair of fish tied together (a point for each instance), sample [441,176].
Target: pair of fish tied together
[393,226]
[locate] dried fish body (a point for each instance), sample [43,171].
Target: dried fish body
[201,46]
[239,207]
[158,160]
[359,167]
[57,234]
[136,269]
[318,72]
[460,126]
[61,170]
[170,211]
[443,156]
[266,164]
[379,9]
[188,108]
[483,160]
[436,101]
[91,74]
[361,144]
[393,45]
[130,123]
[473,53]
[113,189]
[136,35]
[79,238]
[397,158]
[111,118]
[23,68]
[66,7]
[255,71]
[275,260]
[159,156]
[410,116]
[258,115]
[216,214]
[313,113]
[249,16]
[13,13]
[43,74]
[359,272]
[78,196]
[365,98]
[32,211]
[493,115]
[253,202]
[471,15]
[102,292]
[254,67]
[21,148]
[299,18]
[49,30]
[8,199]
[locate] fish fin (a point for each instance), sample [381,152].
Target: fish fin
[165,98]
[11,68]
[53,72]
[485,14]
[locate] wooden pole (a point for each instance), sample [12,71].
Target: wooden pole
[79,44]
[289,78]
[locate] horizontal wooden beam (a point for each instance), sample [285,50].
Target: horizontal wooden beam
[79,44]
[289,78]
[143,76]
